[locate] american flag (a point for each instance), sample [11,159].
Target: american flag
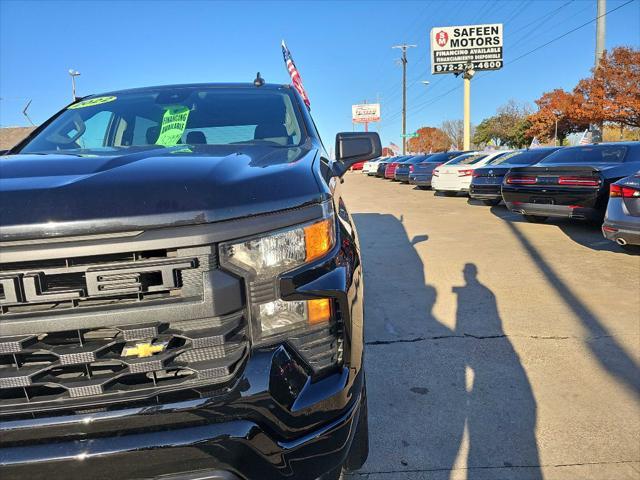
[586,138]
[294,74]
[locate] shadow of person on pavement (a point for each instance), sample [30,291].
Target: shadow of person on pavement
[501,408]
[416,420]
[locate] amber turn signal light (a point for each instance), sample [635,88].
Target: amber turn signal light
[318,239]
[319,310]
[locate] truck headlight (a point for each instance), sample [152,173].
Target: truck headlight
[262,259]
[270,255]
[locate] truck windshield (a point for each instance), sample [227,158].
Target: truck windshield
[172,116]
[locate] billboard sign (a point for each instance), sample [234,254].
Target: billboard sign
[453,48]
[365,113]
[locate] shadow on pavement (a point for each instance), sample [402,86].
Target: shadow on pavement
[427,382]
[501,408]
[584,233]
[605,348]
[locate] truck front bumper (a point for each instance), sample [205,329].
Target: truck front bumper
[239,449]
[275,420]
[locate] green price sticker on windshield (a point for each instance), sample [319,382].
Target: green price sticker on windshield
[174,123]
[90,102]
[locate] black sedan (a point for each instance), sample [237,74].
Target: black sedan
[382,165]
[405,168]
[487,181]
[572,182]
[423,171]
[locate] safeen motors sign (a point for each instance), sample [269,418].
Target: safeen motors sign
[453,49]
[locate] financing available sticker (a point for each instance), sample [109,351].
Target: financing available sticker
[90,102]
[174,123]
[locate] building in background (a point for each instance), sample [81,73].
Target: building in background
[11,136]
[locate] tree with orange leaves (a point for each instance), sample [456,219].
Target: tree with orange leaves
[556,105]
[429,139]
[612,93]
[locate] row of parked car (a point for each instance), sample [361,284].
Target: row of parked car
[598,182]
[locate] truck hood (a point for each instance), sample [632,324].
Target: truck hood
[62,194]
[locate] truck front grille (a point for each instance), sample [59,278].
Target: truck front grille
[85,331]
[101,363]
[101,280]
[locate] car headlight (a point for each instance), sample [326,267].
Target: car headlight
[262,259]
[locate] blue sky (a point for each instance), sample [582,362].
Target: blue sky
[342,49]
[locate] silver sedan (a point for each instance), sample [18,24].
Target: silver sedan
[622,220]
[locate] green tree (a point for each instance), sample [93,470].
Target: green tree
[508,126]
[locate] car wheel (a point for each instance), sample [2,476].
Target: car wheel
[450,194]
[491,203]
[535,219]
[631,248]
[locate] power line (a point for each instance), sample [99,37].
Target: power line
[534,24]
[404,48]
[569,32]
[549,29]
[429,102]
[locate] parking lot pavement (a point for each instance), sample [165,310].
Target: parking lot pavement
[496,349]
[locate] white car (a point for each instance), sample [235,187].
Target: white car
[455,175]
[371,166]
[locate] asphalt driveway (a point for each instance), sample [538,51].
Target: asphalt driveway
[496,349]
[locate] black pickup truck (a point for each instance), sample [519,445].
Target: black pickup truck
[181,291]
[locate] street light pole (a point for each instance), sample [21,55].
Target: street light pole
[73,74]
[404,47]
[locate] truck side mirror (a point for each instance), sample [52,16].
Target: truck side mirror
[353,147]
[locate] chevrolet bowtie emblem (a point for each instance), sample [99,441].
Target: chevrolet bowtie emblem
[142,350]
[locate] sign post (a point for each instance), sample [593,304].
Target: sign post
[464,50]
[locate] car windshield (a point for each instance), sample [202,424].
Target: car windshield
[416,159]
[588,154]
[522,157]
[467,159]
[172,116]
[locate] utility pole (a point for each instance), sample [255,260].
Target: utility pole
[404,48]
[596,129]
[600,29]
